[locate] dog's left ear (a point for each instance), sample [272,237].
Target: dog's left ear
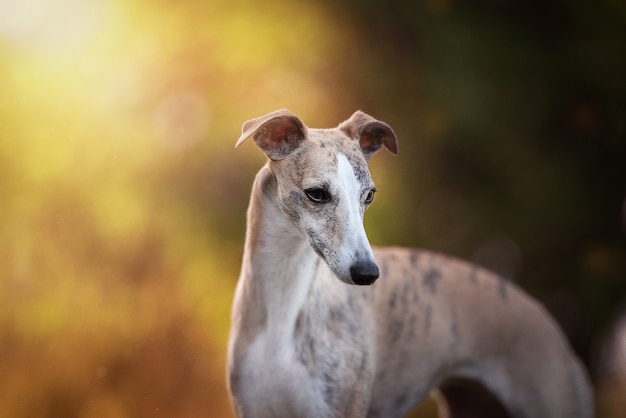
[277,134]
[371,133]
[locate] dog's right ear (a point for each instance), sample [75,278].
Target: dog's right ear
[277,134]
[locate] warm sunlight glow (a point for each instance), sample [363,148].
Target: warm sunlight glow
[113,117]
[49,25]
[181,120]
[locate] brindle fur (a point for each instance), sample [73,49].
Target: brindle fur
[305,342]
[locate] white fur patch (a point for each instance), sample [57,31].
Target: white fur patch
[355,245]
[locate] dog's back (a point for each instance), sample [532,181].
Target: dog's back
[442,320]
[305,341]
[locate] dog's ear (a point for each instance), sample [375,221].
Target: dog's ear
[277,134]
[371,133]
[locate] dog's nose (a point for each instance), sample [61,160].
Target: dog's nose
[364,273]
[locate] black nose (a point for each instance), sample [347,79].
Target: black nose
[364,273]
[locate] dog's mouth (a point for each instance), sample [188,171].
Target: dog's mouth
[363,271]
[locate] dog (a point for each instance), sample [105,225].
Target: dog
[314,334]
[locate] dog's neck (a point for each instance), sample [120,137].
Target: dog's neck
[279,265]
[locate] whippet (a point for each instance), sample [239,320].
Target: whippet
[306,342]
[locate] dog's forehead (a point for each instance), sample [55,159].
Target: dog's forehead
[334,142]
[327,145]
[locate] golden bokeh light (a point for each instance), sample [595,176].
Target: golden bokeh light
[112,113]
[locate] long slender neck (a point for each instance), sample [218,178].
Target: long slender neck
[278,263]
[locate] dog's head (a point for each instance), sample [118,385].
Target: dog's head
[324,185]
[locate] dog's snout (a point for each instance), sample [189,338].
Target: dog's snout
[364,273]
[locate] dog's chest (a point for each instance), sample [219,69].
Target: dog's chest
[278,383]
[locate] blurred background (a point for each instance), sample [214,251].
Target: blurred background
[122,198]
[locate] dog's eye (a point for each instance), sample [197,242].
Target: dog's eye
[370,196]
[317,195]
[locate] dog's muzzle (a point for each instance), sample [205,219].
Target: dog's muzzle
[364,273]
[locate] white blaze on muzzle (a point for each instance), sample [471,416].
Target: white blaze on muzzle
[355,252]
